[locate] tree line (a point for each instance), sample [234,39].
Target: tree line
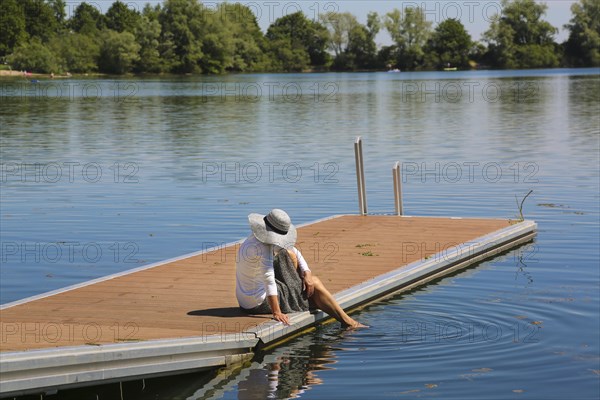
[184,36]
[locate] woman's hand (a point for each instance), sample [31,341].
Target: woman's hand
[309,283]
[281,317]
[277,314]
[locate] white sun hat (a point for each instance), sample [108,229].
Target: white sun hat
[274,228]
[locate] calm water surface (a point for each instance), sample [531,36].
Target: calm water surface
[100,176]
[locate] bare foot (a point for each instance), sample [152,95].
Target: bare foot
[356,325]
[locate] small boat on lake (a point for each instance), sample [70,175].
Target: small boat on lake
[449,67]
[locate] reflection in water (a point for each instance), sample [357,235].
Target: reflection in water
[282,373]
[283,377]
[524,255]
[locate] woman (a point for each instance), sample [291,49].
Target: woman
[273,277]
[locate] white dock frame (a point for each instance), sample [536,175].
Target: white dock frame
[39,371]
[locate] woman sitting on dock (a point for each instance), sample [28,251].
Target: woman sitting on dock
[273,277]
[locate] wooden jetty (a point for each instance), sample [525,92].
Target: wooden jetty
[181,315]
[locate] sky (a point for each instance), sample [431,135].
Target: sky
[474,14]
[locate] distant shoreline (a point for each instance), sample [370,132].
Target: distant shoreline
[5,73]
[10,74]
[18,73]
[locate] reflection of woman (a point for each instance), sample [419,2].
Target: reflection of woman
[273,277]
[286,373]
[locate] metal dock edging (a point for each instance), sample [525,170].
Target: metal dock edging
[58,368]
[406,277]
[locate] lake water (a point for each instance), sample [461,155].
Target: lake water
[100,176]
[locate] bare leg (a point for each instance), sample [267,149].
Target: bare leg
[325,301]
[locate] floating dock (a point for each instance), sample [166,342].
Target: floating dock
[181,315]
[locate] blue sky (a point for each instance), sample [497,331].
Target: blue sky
[474,14]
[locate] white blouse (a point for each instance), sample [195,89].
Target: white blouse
[255,276]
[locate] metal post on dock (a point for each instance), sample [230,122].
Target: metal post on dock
[397,176]
[360,176]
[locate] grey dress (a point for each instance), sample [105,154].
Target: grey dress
[290,288]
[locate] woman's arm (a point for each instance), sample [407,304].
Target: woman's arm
[277,314]
[306,274]
[309,283]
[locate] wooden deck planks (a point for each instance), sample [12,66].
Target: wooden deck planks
[196,296]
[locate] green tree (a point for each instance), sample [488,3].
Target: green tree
[285,57]
[362,48]
[362,42]
[450,43]
[182,24]
[121,18]
[373,24]
[583,46]
[477,54]
[217,47]
[118,52]
[247,40]
[60,14]
[410,33]
[293,38]
[76,52]
[12,26]
[34,56]
[87,19]
[40,20]
[520,38]
[353,44]
[387,56]
[152,12]
[229,39]
[157,50]
[147,35]
[339,25]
